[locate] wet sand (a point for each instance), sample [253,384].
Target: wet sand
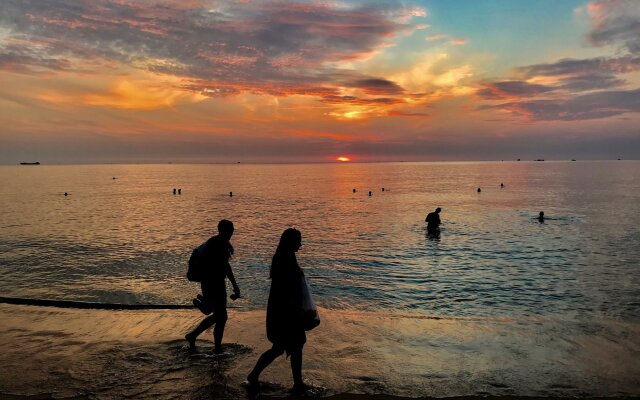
[69,353]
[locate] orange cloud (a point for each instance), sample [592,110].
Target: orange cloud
[141,95]
[308,133]
[393,113]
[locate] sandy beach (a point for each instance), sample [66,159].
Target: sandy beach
[49,352]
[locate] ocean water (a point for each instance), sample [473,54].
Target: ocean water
[127,240]
[499,304]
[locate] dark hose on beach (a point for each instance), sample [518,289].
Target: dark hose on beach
[93,306]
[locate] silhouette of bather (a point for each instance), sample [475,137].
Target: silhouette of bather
[433,221]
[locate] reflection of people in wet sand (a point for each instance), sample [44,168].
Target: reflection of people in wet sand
[285,324]
[217,252]
[433,221]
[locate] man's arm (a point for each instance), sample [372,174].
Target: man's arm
[232,279]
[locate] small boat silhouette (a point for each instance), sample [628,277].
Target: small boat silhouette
[30,163]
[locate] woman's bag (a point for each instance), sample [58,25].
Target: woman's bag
[310,316]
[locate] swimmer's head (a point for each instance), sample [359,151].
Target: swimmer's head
[438,209]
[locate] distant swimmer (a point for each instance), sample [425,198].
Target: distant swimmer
[179,191]
[383,189]
[66,194]
[541,216]
[433,220]
[369,194]
[502,185]
[354,190]
[479,190]
[174,190]
[113,177]
[230,194]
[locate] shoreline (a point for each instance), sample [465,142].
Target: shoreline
[348,396]
[71,353]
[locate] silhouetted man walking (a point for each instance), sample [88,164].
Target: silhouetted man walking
[216,254]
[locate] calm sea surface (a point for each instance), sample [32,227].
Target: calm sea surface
[128,239]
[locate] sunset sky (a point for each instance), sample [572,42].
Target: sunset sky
[310,81]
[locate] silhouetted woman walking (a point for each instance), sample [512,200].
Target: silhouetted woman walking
[285,322]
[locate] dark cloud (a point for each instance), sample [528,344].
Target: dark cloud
[617,22]
[334,99]
[571,66]
[593,81]
[588,106]
[394,113]
[26,61]
[506,89]
[582,89]
[566,84]
[243,44]
[589,82]
[377,86]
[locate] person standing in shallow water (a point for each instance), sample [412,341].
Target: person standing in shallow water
[217,252]
[285,328]
[433,220]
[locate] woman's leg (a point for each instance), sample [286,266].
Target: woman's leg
[263,362]
[296,367]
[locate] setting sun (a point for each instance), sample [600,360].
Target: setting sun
[343,159]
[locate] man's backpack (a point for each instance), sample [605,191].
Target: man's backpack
[197,264]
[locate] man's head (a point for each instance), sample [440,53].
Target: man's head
[225,229]
[438,210]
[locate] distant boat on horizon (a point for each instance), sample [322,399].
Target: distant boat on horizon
[539,159]
[30,163]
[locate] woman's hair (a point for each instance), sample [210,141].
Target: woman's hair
[289,243]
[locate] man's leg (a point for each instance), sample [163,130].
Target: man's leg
[203,326]
[220,317]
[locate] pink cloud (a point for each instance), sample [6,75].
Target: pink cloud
[436,36]
[458,42]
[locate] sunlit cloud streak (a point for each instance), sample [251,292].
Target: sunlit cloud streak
[578,89]
[231,46]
